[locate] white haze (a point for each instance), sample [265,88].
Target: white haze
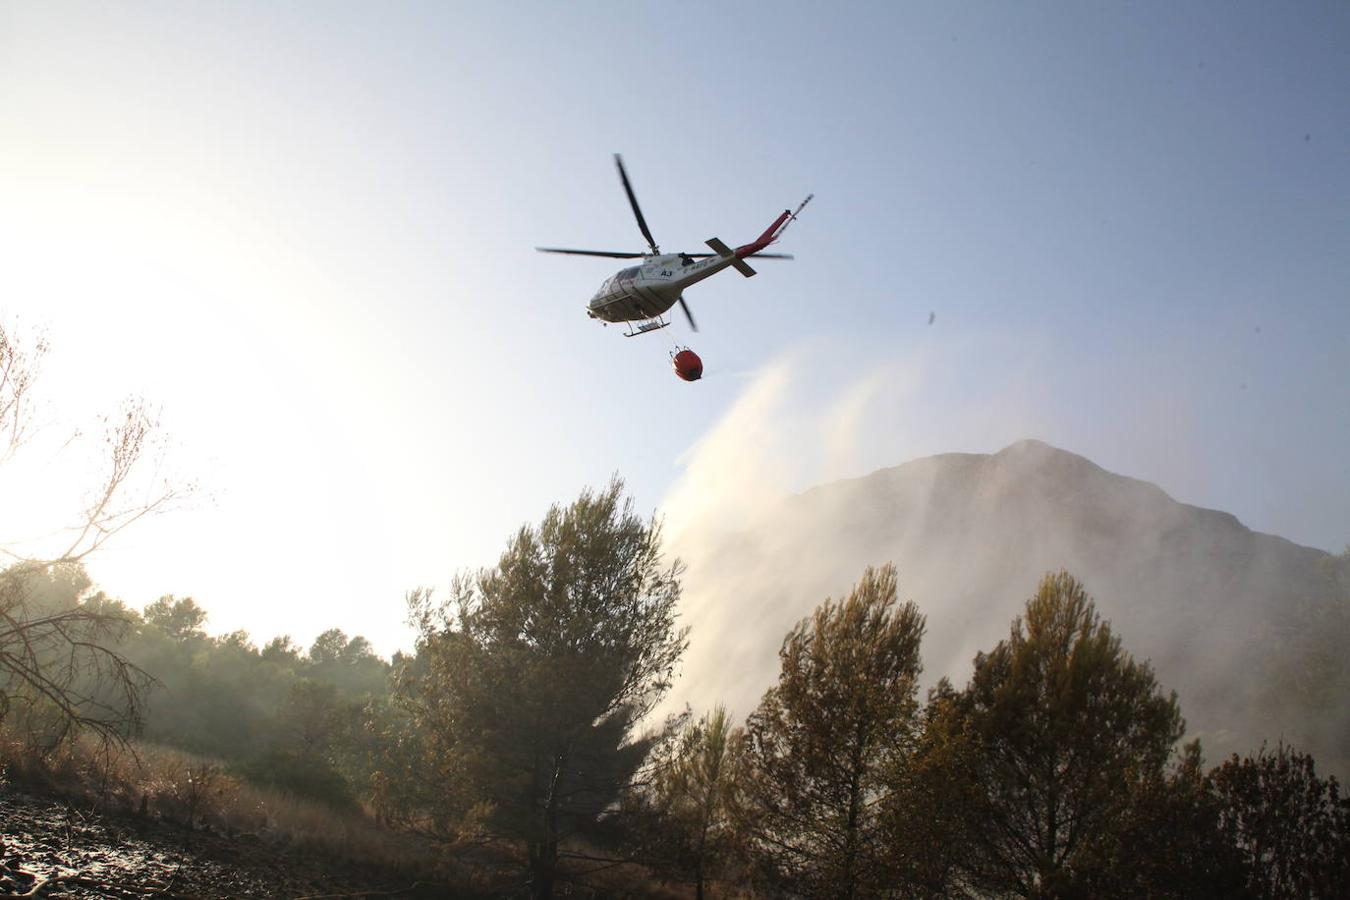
[769,446]
[970,534]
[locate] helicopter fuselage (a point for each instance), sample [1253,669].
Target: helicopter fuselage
[648,290]
[644,293]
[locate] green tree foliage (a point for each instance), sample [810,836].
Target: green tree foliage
[281,650]
[208,701]
[1291,827]
[1166,842]
[276,716]
[50,589]
[60,667]
[823,741]
[314,778]
[178,619]
[328,647]
[531,680]
[1036,762]
[392,752]
[313,717]
[691,802]
[349,663]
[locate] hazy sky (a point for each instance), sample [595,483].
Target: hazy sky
[306,231]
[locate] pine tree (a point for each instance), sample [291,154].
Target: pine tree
[823,740]
[1037,760]
[1291,827]
[530,682]
[691,803]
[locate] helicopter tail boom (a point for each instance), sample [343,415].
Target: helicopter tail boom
[768,237]
[773,232]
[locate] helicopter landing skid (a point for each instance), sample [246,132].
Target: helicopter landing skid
[636,328]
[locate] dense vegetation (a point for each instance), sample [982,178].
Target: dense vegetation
[521,723]
[1056,771]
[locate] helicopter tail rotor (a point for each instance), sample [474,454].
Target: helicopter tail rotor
[770,235]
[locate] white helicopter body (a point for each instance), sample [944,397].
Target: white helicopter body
[644,293]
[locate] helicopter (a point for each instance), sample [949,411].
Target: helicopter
[641,295]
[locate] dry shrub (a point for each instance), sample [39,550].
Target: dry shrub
[199,793]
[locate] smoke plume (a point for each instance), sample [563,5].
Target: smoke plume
[1190,589]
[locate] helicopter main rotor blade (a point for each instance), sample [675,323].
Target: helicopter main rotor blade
[755,255]
[612,254]
[688,315]
[617,254]
[637,210]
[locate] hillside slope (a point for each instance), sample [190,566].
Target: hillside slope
[1191,589]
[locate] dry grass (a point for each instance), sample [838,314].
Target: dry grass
[198,793]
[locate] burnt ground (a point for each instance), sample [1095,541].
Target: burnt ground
[86,854]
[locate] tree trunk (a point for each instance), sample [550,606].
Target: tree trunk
[544,856]
[853,826]
[702,847]
[542,888]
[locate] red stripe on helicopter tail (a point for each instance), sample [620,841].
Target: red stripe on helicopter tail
[764,239]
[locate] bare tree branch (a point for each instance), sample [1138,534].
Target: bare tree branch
[60,669]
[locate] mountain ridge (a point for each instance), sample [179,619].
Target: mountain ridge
[1026,443]
[1190,589]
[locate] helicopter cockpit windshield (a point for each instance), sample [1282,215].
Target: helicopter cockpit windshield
[614,282]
